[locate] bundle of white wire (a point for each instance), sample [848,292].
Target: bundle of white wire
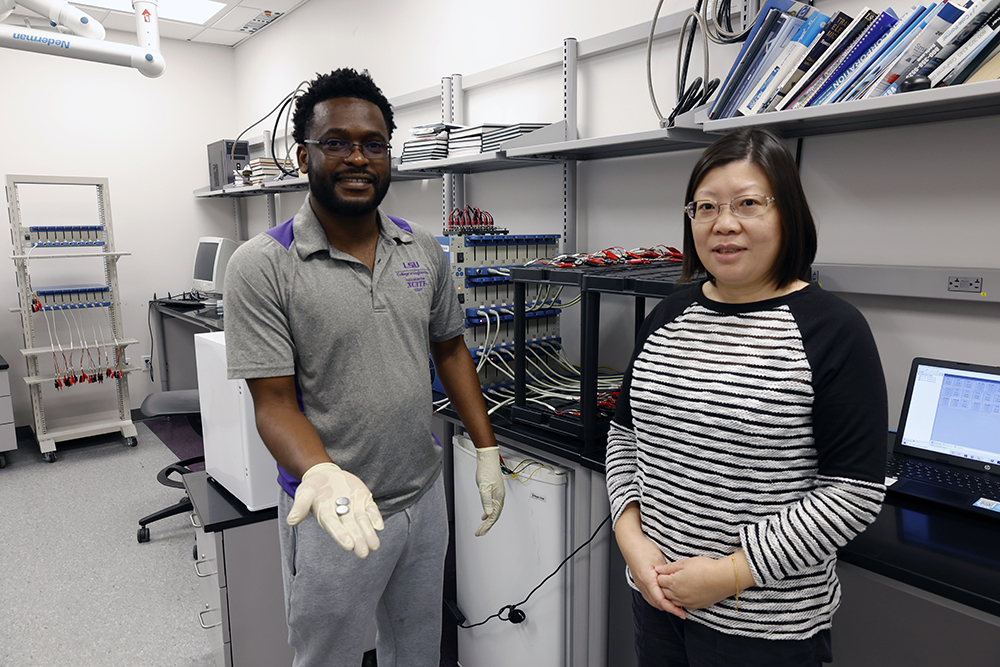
[543,382]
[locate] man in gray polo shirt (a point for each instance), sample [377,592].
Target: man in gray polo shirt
[330,318]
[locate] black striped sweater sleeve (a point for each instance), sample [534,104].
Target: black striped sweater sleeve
[849,426]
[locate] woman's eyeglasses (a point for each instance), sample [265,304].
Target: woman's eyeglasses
[745,206]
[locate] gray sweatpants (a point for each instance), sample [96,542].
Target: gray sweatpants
[331,595]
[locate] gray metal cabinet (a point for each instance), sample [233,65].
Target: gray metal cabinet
[241,602]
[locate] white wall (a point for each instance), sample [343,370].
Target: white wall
[910,196]
[919,195]
[148,137]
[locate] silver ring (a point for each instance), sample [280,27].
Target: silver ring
[343,501]
[343,509]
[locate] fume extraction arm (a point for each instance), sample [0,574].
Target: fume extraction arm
[74,34]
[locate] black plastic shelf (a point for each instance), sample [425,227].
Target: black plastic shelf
[639,281]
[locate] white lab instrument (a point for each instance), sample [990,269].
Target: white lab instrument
[526,544]
[78,35]
[235,456]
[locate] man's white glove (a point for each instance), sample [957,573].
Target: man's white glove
[490,482]
[324,489]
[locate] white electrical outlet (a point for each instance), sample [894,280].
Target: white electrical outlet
[146,363]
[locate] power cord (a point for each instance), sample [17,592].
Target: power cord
[514,614]
[280,108]
[694,95]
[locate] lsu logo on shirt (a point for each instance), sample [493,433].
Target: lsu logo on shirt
[415,277]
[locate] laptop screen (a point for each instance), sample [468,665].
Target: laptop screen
[952,411]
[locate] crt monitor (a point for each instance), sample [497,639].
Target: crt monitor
[210,264]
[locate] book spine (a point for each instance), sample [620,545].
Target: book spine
[831,31]
[851,73]
[861,48]
[771,49]
[984,67]
[820,78]
[770,83]
[740,64]
[751,56]
[935,27]
[890,47]
[978,40]
[946,44]
[786,63]
[818,67]
[736,72]
[893,53]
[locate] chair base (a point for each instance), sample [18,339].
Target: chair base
[182,506]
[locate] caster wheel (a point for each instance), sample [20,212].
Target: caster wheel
[131,441]
[3,461]
[50,457]
[142,535]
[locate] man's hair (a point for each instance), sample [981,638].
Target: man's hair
[344,82]
[798,230]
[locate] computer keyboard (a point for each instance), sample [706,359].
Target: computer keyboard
[181,303]
[910,469]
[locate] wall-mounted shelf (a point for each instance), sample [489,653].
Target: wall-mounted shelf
[913,281]
[231,191]
[968,100]
[464,164]
[549,145]
[619,145]
[292,185]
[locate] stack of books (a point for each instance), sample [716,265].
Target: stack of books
[429,142]
[493,138]
[266,169]
[469,140]
[796,57]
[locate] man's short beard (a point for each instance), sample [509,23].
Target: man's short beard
[321,188]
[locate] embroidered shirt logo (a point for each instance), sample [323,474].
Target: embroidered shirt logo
[415,277]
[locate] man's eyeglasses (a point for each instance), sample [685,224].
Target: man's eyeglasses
[373,150]
[747,206]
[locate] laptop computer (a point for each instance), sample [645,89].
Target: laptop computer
[947,447]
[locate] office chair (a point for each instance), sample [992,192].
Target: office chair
[179,402]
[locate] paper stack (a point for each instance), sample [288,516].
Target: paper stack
[469,140]
[429,142]
[266,169]
[493,138]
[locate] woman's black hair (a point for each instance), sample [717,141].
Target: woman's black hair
[344,82]
[798,230]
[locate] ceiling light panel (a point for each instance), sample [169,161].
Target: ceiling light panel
[188,11]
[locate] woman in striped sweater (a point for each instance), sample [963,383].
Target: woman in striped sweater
[749,439]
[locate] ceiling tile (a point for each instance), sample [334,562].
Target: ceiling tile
[281,6]
[222,37]
[119,21]
[178,29]
[236,19]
